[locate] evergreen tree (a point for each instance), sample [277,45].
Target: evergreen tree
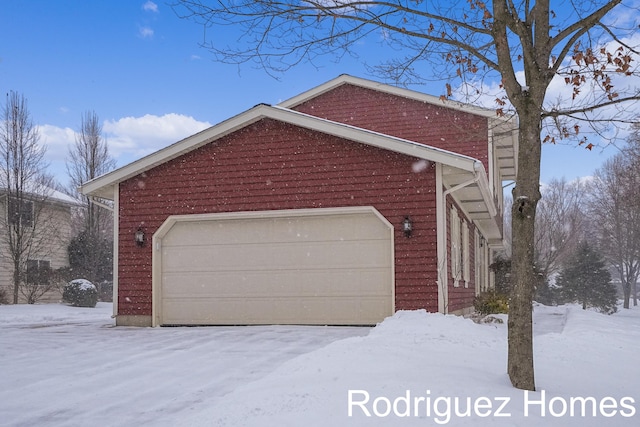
[91,257]
[586,280]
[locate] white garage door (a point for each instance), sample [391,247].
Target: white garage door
[312,266]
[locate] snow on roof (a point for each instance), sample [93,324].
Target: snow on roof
[49,193]
[61,197]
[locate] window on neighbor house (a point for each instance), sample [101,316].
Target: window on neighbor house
[20,212]
[38,272]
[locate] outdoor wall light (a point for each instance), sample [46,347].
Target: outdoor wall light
[407,226]
[139,237]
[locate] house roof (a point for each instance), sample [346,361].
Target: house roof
[62,198]
[103,185]
[51,195]
[476,198]
[504,130]
[384,88]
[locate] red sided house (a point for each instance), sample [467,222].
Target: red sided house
[339,206]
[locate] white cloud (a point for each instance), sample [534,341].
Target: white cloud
[560,95]
[145,32]
[624,15]
[150,6]
[56,140]
[128,138]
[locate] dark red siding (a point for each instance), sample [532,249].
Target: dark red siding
[271,165]
[429,124]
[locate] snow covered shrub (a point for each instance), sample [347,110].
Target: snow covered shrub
[491,302]
[80,293]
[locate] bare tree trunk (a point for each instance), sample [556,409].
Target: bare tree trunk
[626,290]
[526,195]
[16,282]
[23,177]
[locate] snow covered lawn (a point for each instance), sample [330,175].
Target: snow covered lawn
[69,366]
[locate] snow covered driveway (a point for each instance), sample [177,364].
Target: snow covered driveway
[67,366]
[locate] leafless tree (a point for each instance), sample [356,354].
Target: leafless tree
[615,209]
[89,158]
[560,224]
[29,234]
[633,151]
[521,45]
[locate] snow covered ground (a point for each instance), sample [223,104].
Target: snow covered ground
[69,366]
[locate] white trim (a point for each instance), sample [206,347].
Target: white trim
[116,240]
[441,244]
[385,88]
[477,258]
[466,253]
[490,158]
[98,186]
[486,253]
[455,248]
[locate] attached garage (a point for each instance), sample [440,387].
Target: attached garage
[296,213]
[302,266]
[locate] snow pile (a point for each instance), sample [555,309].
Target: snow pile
[417,369]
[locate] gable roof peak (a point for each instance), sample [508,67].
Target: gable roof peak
[343,79]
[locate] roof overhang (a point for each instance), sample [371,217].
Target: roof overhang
[471,193]
[504,136]
[504,130]
[475,199]
[102,186]
[385,88]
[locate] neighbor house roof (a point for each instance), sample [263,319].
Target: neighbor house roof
[51,195]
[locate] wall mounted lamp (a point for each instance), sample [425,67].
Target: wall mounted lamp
[407,226]
[139,237]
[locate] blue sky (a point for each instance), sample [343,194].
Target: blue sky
[141,69]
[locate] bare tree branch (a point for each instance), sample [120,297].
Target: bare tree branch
[458,39]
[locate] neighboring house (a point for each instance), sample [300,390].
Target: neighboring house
[339,206]
[49,216]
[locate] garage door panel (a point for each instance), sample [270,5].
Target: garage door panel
[316,266]
[315,229]
[240,311]
[298,255]
[278,283]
